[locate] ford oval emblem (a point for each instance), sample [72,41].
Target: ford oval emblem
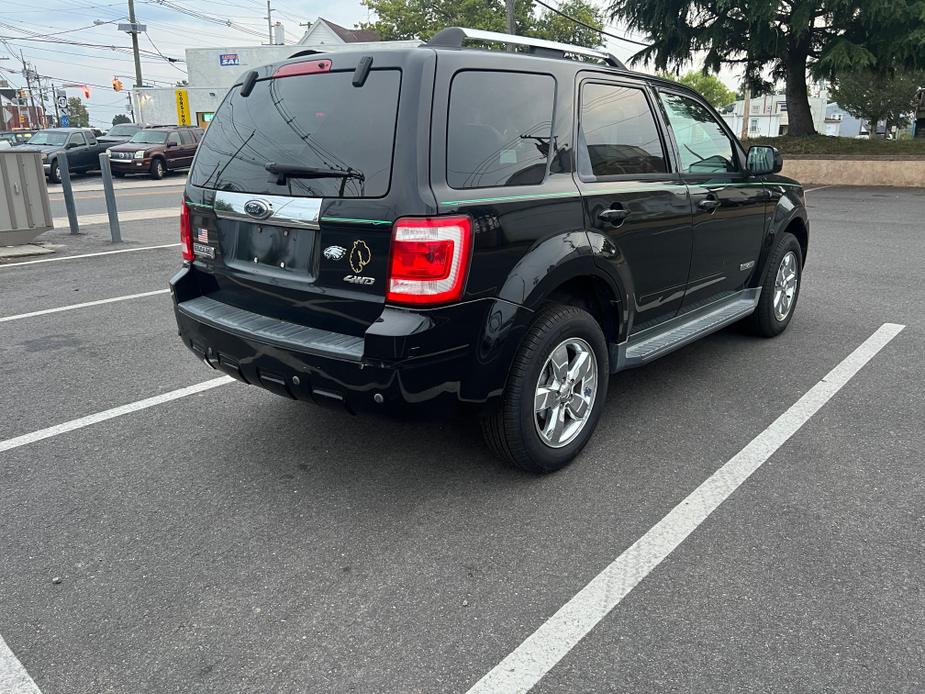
[258,209]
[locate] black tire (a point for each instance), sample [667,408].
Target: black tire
[511,433]
[157,169]
[765,321]
[54,173]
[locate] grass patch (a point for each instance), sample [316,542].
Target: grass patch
[820,144]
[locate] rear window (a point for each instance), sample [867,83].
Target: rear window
[315,122]
[123,130]
[499,129]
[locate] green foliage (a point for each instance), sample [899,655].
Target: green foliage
[77,113]
[865,94]
[555,27]
[421,19]
[820,144]
[825,37]
[120,118]
[710,87]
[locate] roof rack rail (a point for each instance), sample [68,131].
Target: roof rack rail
[453,37]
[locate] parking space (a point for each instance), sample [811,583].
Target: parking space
[234,541]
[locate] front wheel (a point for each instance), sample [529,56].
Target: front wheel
[157,169]
[555,393]
[54,173]
[780,289]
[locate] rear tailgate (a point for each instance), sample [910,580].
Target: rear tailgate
[287,196]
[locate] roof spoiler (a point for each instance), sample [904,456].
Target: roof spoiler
[453,37]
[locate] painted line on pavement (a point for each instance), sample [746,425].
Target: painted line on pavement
[86,304]
[87,255]
[82,422]
[13,676]
[127,216]
[546,646]
[810,190]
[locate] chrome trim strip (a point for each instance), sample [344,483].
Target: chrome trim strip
[284,210]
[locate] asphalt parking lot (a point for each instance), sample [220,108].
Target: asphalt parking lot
[232,541]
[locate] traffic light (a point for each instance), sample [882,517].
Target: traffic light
[116,84]
[86,92]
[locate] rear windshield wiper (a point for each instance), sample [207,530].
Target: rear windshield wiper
[286,171]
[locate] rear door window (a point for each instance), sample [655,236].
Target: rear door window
[617,133]
[499,129]
[315,122]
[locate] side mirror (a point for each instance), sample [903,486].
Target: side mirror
[764,160]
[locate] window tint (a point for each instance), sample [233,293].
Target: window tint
[499,129]
[173,137]
[617,133]
[314,121]
[702,143]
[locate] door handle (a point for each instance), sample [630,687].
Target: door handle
[709,203]
[614,215]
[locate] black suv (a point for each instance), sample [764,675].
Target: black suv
[438,225]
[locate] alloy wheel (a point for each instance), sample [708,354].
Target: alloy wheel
[565,392]
[785,286]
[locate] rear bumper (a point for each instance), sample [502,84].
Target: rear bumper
[405,363]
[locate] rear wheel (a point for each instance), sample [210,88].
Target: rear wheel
[780,289]
[555,393]
[157,169]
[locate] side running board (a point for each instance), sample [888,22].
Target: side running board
[660,340]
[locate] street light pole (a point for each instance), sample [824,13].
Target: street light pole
[270,22]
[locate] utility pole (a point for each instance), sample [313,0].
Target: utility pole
[134,33]
[746,113]
[26,74]
[509,9]
[270,22]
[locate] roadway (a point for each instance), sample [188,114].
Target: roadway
[223,539]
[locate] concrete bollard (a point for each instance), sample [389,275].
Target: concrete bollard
[65,174]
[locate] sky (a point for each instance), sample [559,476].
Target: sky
[169,32]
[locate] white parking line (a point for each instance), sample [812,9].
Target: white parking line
[13,676]
[546,646]
[82,422]
[98,302]
[87,255]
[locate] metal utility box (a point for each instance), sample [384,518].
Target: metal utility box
[24,209]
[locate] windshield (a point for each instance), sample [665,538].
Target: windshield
[48,138]
[123,130]
[149,137]
[316,121]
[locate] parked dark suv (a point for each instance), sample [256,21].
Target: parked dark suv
[155,151]
[436,225]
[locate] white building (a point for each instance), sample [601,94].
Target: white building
[212,71]
[767,116]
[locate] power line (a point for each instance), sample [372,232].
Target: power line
[589,26]
[204,17]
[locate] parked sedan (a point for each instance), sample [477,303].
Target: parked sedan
[155,151]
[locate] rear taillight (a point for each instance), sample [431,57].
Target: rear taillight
[429,259]
[186,238]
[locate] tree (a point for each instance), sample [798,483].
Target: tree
[120,118]
[865,94]
[77,113]
[710,86]
[825,37]
[421,19]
